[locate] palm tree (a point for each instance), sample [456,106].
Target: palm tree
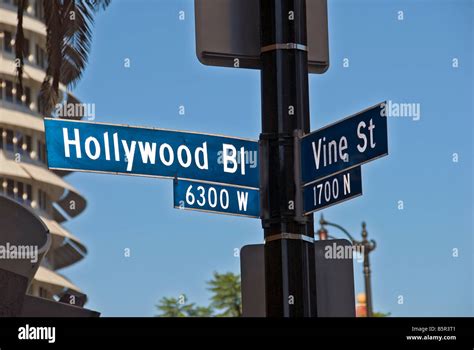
[68,43]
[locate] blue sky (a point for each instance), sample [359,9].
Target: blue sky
[175,252]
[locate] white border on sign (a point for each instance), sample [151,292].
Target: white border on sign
[157,177]
[342,120]
[151,128]
[330,205]
[216,212]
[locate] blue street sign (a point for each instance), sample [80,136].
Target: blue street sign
[117,149]
[345,144]
[332,190]
[216,198]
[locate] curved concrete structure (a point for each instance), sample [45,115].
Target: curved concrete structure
[24,175]
[24,241]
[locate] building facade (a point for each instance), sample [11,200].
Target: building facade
[24,175]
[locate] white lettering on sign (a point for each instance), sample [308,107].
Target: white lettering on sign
[68,143]
[363,137]
[201,152]
[170,159]
[328,190]
[233,159]
[329,151]
[184,163]
[93,140]
[242,198]
[347,184]
[147,151]
[214,198]
[230,156]
[129,153]
[106,146]
[116,148]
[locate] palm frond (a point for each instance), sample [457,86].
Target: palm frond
[77,41]
[98,4]
[69,38]
[49,93]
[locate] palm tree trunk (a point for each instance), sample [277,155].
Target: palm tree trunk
[20,45]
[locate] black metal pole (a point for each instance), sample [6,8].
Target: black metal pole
[289,252]
[368,289]
[368,247]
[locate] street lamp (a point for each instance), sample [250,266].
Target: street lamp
[367,247]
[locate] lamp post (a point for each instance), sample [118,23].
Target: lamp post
[367,247]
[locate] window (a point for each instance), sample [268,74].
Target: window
[43,293]
[42,199]
[28,143]
[27,93]
[39,10]
[40,56]
[29,193]
[37,55]
[17,95]
[9,91]
[43,151]
[26,48]
[7,38]
[20,192]
[40,105]
[10,187]
[19,142]
[9,140]
[15,2]
[38,150]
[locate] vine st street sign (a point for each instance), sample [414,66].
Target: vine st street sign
[350,142]
[119,149]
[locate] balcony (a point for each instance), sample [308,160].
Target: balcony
[8,14]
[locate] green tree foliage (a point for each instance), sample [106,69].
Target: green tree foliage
[179,307]
[200,311]
[226,297]
[226,300]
